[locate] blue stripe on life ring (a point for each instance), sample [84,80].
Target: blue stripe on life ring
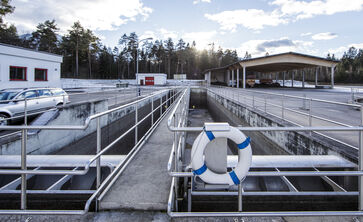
[234,177]
[210,135]
[244,144]
[200,170]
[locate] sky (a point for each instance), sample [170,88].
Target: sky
[315,27]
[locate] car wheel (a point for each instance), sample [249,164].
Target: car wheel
[4,122]
[59,106]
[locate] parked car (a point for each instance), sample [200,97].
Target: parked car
[12,102]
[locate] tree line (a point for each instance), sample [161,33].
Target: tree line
[350,67]
[84,55]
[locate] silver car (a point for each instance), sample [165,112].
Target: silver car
[12,102]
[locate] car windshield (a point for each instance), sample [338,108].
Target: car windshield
[6,95]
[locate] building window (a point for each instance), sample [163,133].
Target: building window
[17,73]
[41,74]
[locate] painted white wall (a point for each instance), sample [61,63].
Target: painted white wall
[16,56]
[159,78]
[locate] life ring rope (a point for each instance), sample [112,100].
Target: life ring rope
[232,174]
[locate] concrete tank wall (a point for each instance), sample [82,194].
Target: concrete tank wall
[51,141]
[298,143]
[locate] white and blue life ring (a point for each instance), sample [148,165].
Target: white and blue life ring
[244,157]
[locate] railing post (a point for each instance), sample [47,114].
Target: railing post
[161,105]
[310,114]
[265,106]
[98,161]
[253,101]
[25,111]
[23,167]
[136,121]
[283,108]
[304,103]
[240,197]
[152,111]
[360,162]
[24,133]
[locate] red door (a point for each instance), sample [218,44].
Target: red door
[149,81]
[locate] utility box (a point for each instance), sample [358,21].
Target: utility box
[150,79]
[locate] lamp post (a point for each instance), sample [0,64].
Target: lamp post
[89,58]
[137,52]
[137,63]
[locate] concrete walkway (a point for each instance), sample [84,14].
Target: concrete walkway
[145,183]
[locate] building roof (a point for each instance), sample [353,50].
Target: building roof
[33,50]
[10,50]
[279,62]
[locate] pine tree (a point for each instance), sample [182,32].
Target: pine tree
[45,37]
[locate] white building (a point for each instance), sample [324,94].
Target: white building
[150,79]
[24,68]
[180,76]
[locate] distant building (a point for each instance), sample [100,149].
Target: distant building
[150,79]
[24,68]
[180,76]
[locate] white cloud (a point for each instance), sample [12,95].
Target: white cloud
[160,34]
[286,11]
[148,34]
[306,34]
[95,14]
[201,38]
[338,52]
[274,46]
[254,19]
[199,1]
[324,36]
[307,9]
[165,34]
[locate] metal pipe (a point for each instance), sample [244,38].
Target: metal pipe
[285,173]
[136,116]
[265,106]
[240,197]
[293,128]
[98,161]
[266,214]
[283,108]
[310,115]
[25,111]
[152,111]
[23,167]
[360,163]
[274,193]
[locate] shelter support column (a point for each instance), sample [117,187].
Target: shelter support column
[228,77]
[303,78]
[316,76]
[232,77]
[244,77]
[292,78]
[209,77]
[238,78]
[283,78]
[332,76]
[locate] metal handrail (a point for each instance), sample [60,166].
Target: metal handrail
[80,127]
[64,103]
[295,97]
[24,172]
[177,128]
[301,113]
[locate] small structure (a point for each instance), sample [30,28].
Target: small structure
[180,76]
[150,79]
[24,68]
[290,63]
